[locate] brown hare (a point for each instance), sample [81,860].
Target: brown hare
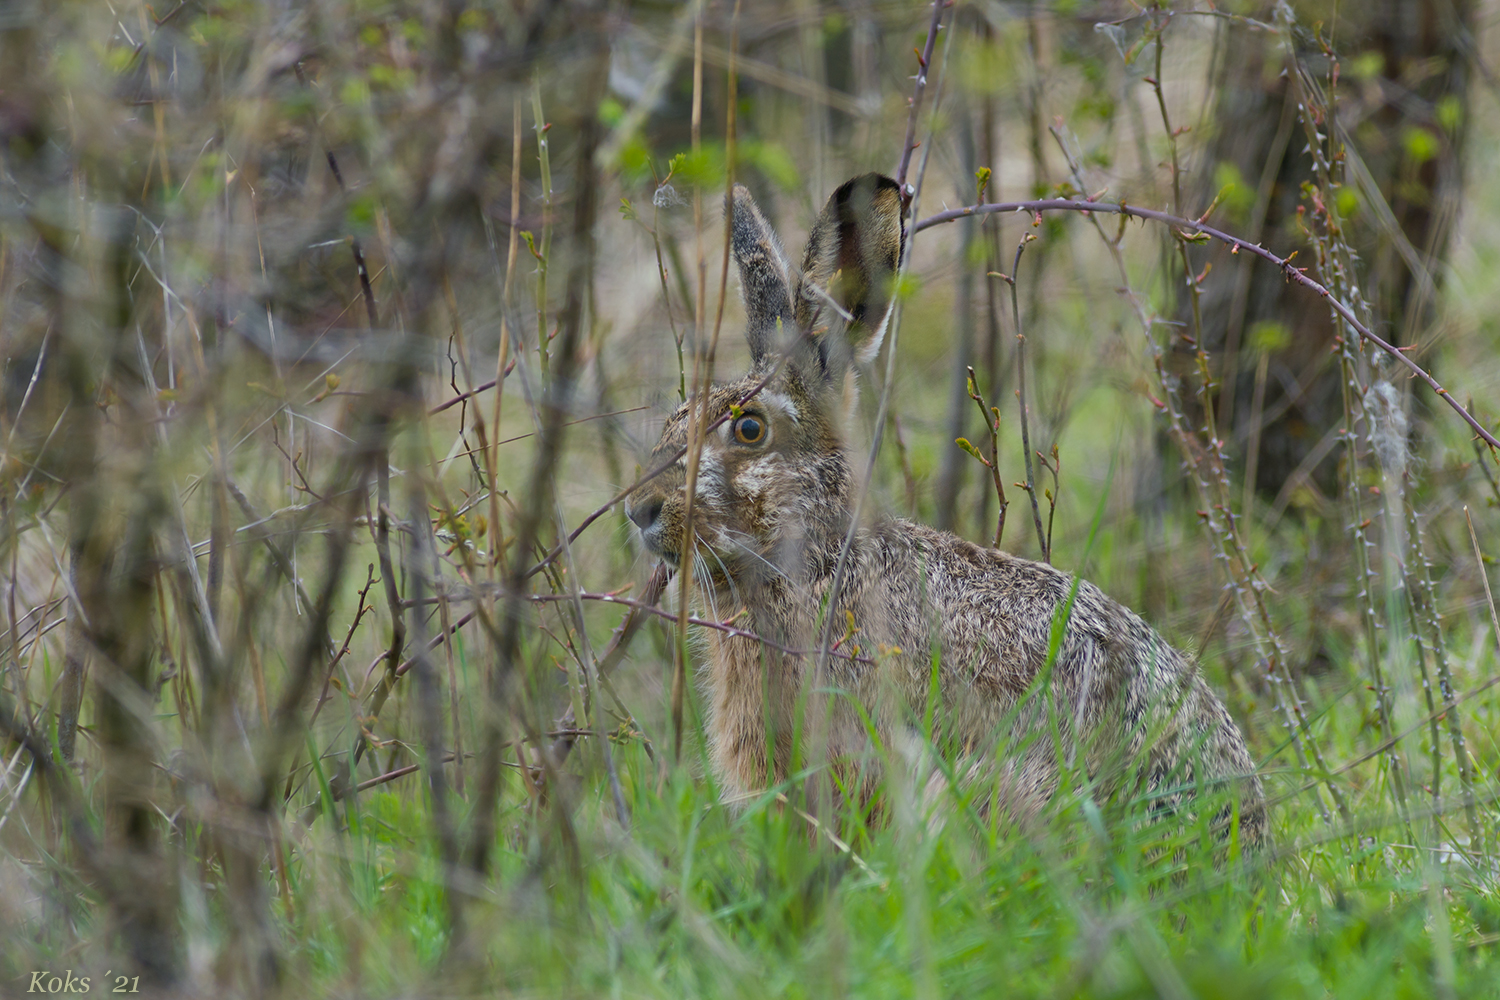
[773,504]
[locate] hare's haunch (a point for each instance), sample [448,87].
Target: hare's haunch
[772,506]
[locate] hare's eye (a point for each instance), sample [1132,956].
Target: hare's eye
[749,430]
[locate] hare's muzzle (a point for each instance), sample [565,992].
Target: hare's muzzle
[645,513]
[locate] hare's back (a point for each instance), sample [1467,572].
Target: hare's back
[994,614]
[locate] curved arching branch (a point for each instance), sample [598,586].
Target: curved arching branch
[1191,226]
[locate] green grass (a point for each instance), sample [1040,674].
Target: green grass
[220,150]
[701,899]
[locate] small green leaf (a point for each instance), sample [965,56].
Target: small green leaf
[1347,202]
[1269,335]
[471,21]
[362,210]
[774,160]
[635,160]
[355,92]
[1237,197]
[531,244]
[1421,145]
[1450,113]
[1367,65]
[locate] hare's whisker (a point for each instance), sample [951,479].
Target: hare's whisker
[743,547]
[734,590]
[704,575]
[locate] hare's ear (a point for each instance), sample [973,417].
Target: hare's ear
[763,275]
[849,270]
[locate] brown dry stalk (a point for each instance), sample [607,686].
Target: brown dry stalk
[703,368]
[1015,314]
[696,429]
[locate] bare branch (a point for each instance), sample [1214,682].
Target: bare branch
[924,60]
[1236,244]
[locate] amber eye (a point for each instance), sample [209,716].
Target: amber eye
[749,430]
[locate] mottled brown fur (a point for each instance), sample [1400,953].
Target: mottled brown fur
[770,516]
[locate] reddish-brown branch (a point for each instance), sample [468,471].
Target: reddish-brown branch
[670,616]
[924,61]
[1197,226]
[482,387]
[562,743]
[361,610]
[653,594]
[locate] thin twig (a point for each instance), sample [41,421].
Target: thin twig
[646,604]
[991,415]
[1483,575]
[619,642]
[892,336]
[672,616]
[361,610]
[924,60]
[543,256]
[1015,315]
[461,397]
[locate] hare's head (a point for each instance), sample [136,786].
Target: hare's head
[773,482]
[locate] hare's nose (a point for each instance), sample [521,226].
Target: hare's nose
[645,513]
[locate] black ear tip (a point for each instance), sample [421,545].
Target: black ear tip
[876,185]
[871,193]
[873,180]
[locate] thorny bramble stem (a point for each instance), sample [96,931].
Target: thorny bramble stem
[1245,583]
